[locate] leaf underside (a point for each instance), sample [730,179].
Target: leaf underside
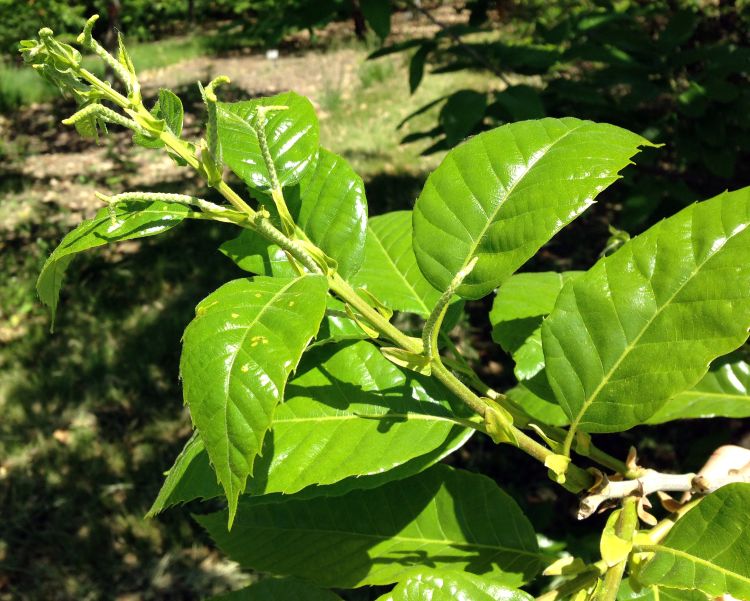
[442,518]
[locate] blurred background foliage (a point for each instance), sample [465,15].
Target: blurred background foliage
[91,416]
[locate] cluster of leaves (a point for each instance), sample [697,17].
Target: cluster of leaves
[322,424]
[676,72]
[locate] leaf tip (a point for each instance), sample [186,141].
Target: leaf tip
[232,511]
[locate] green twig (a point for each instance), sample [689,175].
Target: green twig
[435,320]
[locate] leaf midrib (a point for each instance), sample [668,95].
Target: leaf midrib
[542,152]
[630,346]
[406,539]
[384,416]
[240,346]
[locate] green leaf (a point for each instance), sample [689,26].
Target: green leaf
[337,326]
[169,108]
[377,13]
[194,477]
[441,518]
[246,338]
[349,413]
[191,477]
[292,138]
[253,253]
[536,398]
[133,219]
[279,589]
[654,593]
[461,113]
[644,323]
[449,586]
[331,208]
[390,270]
[517,312]
[707,549]
[504,193]
[723,392]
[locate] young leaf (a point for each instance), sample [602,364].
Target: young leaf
[644,323]
[390,270]
[504,193]
[449,586]
[707,549]
[331,208]
[246,338]
[349,413]
[292,138]
[441,518]
[279,589]
[133,219]
[168,108]
[723,392]
[521,303]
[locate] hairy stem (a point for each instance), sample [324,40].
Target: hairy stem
[435,320]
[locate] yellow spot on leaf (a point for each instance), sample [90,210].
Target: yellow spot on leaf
[256,340]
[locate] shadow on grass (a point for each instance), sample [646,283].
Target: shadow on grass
[92,417]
